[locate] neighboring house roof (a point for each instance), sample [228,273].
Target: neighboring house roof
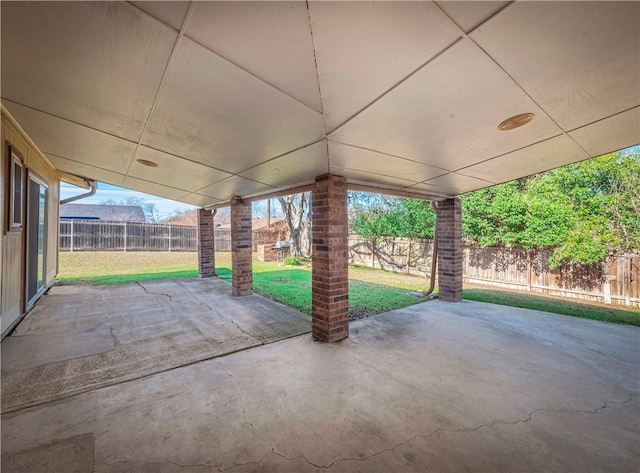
[114,213]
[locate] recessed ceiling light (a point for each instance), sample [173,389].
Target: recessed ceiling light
[516,121]
[148,163]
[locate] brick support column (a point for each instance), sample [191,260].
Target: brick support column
[206,244]
[330,281]
[241,271]
[450,250]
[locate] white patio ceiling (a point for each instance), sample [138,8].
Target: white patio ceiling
[239,98]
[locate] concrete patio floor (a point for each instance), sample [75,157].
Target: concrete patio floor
[433,387]
[79,338]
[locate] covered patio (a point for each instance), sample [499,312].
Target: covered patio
[432,387]
[81,338]
[224,103]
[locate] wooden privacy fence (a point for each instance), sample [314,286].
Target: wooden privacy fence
[613,281]
[99,235]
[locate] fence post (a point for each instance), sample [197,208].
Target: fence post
[169,238]
[626,280]
[125,237]
[529,275]
[72,236]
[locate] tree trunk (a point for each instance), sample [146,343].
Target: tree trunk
[294,208]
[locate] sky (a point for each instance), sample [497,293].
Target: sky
[165,207]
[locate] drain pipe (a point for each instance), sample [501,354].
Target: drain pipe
[434,255]
[93,187]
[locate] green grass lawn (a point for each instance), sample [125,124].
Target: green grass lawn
[115,267]
[371,291]
[601,312]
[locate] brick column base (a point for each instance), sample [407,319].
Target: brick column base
[206,244]
[241,270]
[450,250]
[330,280]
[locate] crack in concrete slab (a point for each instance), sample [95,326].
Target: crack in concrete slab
[207,306]
[437,431]
[244,411]
[440,430]
[168,462]
[215,311]
[154,293]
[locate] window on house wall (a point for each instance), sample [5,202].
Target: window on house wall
[16,189]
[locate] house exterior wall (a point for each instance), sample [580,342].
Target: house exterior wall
[12,242]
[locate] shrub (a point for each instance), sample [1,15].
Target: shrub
[292,261]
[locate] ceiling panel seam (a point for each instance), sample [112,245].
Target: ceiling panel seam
[116,172]
[486,53]
[395,191]
[355,184]
[344,168]
[152,16]
[231,177]
[299,148]
[390,155]
[603,119]
[252,74]
[192,161]
[69,121]
[500,10]
[156,99]
[122,138]
[84,164]
[506,154]
[396,85]
[426,181]
[315,63]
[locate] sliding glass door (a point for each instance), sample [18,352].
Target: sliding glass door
[36,238]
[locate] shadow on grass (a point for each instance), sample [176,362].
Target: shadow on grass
[293,288]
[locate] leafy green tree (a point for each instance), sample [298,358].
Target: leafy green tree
[583,212]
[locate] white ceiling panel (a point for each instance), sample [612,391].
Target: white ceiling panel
[199,200]
[446,115]
[246,105]
[613,133]
[453,183]
[432,189]
[214,113]
[302,165]
[85,170]
[233,186]
[469,14]
[270,39]
[362,51]
[95,63]
[75,142]
[579,60]
[170,13]
[152,188]
[349,157]
[360,175]
[173,171]
[540,157]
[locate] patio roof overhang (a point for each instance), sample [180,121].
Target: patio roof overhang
[253,98]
